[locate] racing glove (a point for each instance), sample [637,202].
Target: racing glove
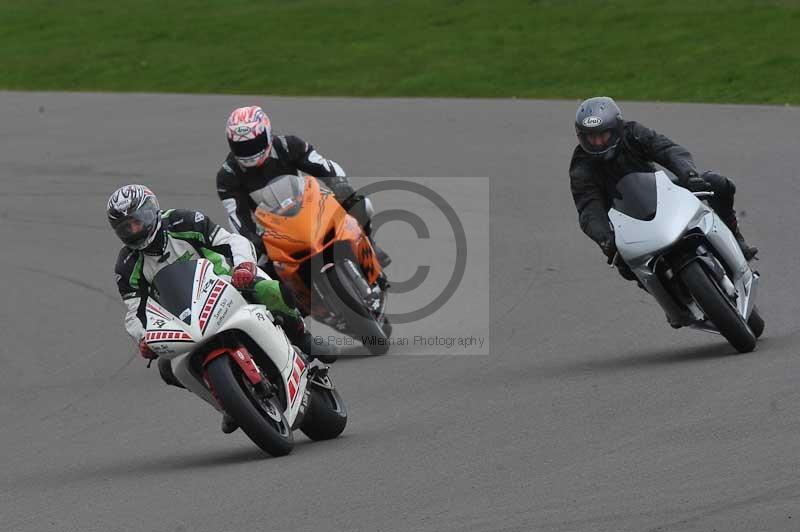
[145,352]
[696,183]
[350,201]
[243,275]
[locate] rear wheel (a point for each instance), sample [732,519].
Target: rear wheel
[717,307]
[260,417]
[326,415]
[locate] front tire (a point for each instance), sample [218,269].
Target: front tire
[259,417]
[358,317]
[756,322]
[717,307]
[326,415]
[377,343]
[375,338]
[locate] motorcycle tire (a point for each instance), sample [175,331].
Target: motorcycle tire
[717,307]
[259,417]
[756,322]
[326,415]
[373,336]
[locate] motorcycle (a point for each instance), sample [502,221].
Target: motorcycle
[686,258]
[231,354]
[325,257]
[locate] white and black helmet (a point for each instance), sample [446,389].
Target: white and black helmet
[135,215]
[594,118]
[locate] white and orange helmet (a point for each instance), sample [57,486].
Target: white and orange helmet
[249,135]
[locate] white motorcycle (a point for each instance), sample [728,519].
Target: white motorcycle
[686,258]
[231,354]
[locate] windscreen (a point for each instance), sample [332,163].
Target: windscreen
[636,196]
[172,288]
[284,195]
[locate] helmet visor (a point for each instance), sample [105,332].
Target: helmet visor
[135,229]
[598,142]
[250,152]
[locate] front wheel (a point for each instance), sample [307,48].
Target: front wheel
[360,320]
[377,341]
[718,308]
[756,322]
[260,417]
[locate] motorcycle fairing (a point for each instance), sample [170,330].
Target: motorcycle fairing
[292,240]
[679,213]
[217,307]
[676,209]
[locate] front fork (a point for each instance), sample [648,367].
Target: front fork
[245,361]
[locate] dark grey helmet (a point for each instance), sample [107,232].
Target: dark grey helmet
[594,118]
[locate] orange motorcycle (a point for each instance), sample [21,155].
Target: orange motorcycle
[325,257]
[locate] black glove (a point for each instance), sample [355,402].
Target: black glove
[609,248]
[342,189]
[696,183]
[351,201]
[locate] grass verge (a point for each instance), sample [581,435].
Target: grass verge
[724,51]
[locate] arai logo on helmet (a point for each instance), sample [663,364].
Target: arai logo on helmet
[242,130]
[592,121]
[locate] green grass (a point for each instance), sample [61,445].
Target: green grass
[723,51]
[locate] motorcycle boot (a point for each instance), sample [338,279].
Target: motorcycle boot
[296,331]
[722,202]
[748,251]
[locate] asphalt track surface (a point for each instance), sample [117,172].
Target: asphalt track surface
[588,413]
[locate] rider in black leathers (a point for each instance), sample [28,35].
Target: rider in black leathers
[257,156]
[610,147]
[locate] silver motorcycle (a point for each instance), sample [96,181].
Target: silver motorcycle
[686,258]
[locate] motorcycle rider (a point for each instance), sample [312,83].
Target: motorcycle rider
[609,148]
[257,156]
[154,239]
